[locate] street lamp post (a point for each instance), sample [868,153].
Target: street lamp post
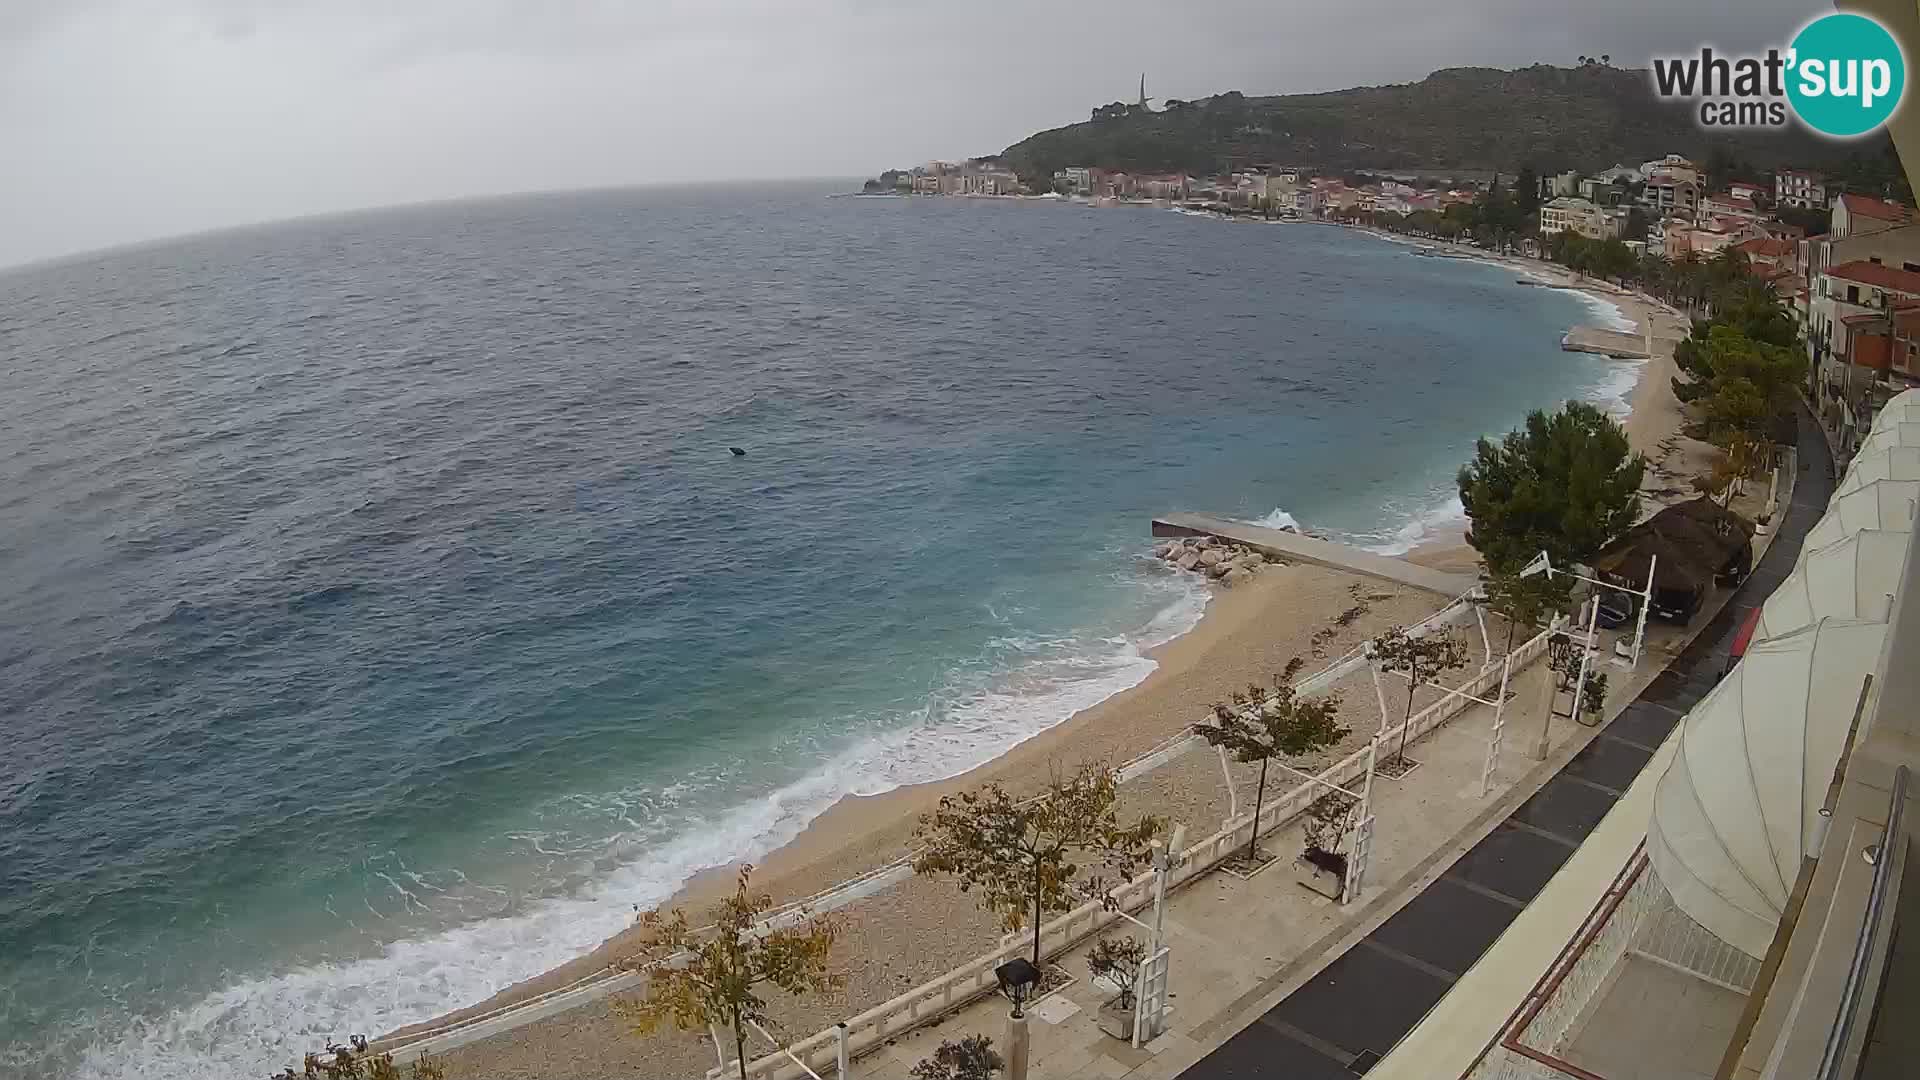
[1018,979]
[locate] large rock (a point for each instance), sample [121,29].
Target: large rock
[1219,570]
[1189,561]
[1239,575]
[1212,556]
[1161,551]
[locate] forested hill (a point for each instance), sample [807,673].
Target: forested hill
[1551,118]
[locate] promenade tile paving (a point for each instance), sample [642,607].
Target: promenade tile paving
[1373,994]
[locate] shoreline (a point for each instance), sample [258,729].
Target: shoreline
[859,832]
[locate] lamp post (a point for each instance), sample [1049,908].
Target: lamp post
[1018,979]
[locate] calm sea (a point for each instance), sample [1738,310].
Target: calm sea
[383,614]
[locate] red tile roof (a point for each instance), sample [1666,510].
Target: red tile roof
[1880,277]
[1765,247]
[1867,206]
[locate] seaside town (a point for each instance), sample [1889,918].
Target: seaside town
[1010,726]
[1845,264]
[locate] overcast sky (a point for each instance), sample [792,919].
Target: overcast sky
[123,120]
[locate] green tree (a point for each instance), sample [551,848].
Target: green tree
[1020,854]
[711,976]
[1259,725]
[1566,483]
[1421,659]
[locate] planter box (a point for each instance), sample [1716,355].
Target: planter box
[1117,1021]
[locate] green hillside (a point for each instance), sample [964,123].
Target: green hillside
[1587,117]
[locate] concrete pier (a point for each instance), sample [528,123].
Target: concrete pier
[1592,339]
[1295,547]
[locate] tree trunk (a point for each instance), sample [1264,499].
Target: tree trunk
[740,1044]
[1406,723]
[1259,794]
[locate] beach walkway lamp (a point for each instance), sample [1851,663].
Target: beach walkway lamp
[1540,564]
[1019,980]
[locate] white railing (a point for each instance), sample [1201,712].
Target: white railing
[975,978]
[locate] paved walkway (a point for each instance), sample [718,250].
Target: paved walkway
[1302,548]
[1349,1015]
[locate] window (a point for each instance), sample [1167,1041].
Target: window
[1853,294]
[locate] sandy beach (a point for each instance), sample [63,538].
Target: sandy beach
[910,933]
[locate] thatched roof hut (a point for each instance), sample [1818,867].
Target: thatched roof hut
[1694,542]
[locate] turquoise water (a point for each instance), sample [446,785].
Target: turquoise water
[382,614]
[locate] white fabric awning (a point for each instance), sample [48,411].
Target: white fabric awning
[1739,805]
[1887,435]
[1892,463]
[1899,412]
[1852,579]
[1881,504]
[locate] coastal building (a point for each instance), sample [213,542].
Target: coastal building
[1672,191]
[1561,185]
[1849,302]
[1163,186]
[1768,256]
[1800,188]
[1075,180]
[1580,216]
[1859,215]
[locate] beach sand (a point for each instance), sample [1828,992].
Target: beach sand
[912,932]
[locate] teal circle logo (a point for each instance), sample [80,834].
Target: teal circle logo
[1847,75]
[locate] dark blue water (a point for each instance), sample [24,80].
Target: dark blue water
[382,613]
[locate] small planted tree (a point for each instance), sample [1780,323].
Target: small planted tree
[1325,828]
[1421,659]
[712,977]
[971,1058]
[1116,962]
[1259,725]
[1023,855]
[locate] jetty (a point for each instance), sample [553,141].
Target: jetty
[1614,343]
[1297,547]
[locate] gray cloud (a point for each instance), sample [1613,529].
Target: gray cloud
[123,120]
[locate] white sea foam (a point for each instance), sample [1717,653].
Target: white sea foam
[258,1025]
[1277,518]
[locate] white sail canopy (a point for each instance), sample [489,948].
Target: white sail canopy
[1739,806]
[1852,579]
[1881,504]
[1899,412]
[1888,435]
[1891,463]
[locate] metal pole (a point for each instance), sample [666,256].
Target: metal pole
[1379,693]
[1586,658]
[1016,1047]
[1486,643]
[842,1060]
[1646,602]
[1499,725]
[1162,860]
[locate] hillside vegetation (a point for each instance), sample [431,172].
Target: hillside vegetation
[1551,118]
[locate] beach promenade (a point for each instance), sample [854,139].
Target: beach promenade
[1271,980]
